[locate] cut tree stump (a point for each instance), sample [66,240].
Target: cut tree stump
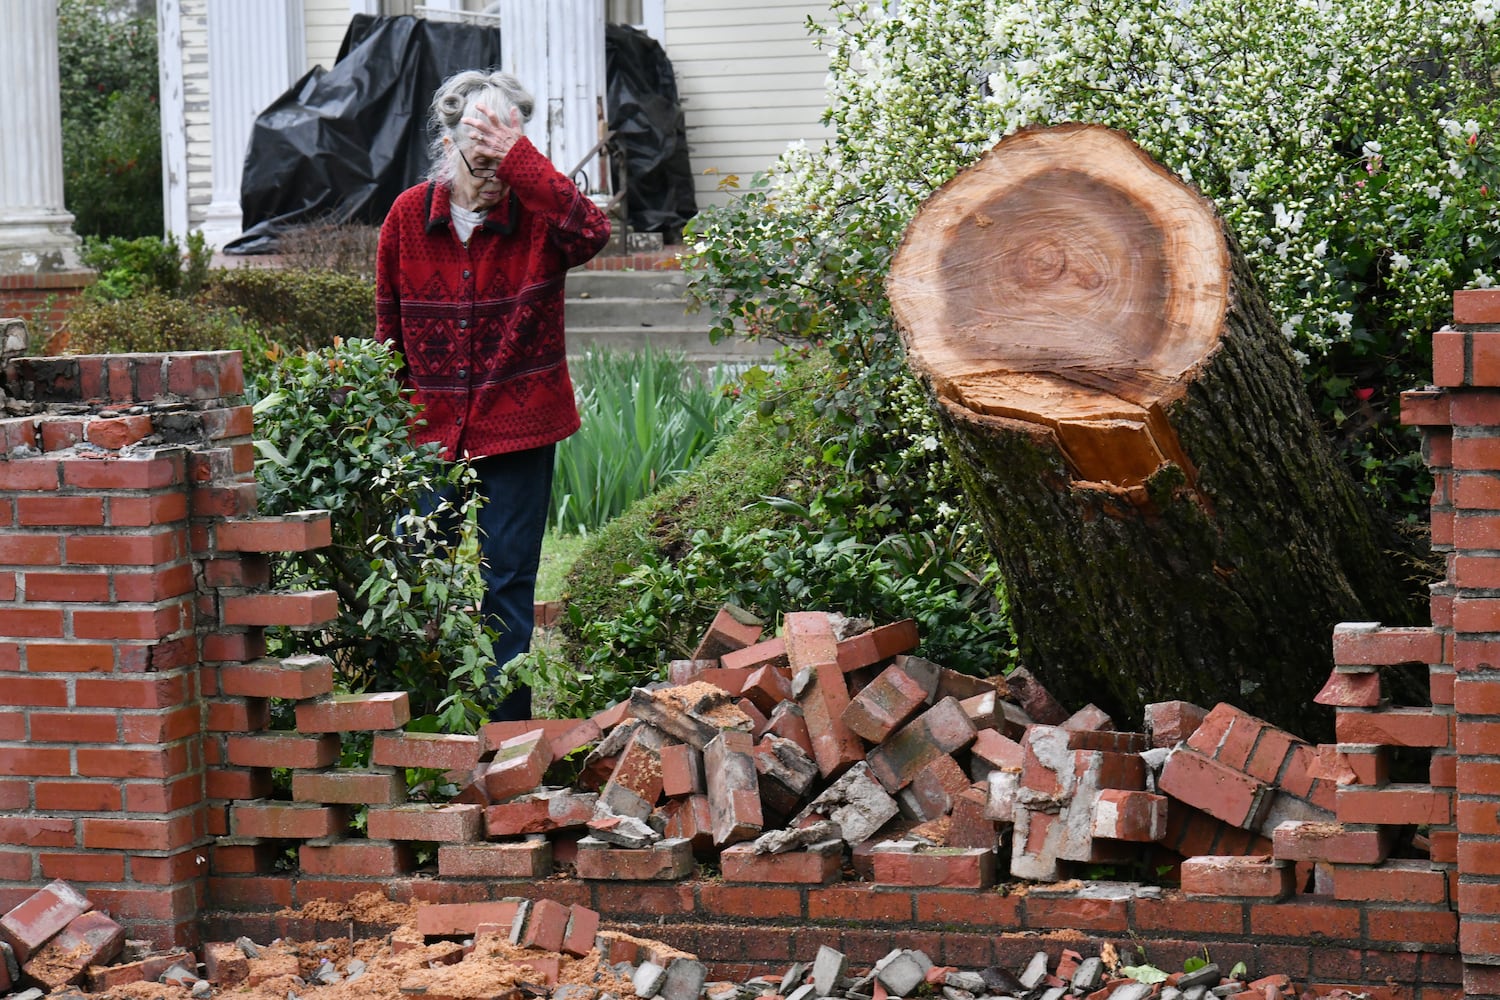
[1132,429]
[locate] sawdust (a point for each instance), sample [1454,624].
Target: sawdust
[705,701]
[366,908]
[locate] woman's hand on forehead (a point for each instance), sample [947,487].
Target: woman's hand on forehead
[492,136]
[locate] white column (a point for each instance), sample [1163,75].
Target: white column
[255,49]
[36,231]
[576,87]
[557,49]
[173,104]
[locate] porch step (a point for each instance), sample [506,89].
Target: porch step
[629,310]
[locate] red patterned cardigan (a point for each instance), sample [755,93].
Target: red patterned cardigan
[481,327]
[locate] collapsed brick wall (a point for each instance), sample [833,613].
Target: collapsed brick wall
[135,753]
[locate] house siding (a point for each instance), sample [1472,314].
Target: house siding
[750,80]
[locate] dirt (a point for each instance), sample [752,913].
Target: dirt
[401,965]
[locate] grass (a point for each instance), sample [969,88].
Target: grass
[559,553]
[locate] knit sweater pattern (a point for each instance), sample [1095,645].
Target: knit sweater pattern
[480,326]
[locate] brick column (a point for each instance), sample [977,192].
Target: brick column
[114,587]
[1465,456]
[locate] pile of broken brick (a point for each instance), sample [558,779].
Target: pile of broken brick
[796,757]
[55,944]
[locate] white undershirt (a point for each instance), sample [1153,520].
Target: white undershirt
[464,221]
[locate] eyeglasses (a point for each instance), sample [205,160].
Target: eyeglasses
[482,174]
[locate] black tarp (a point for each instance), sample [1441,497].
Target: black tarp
[341,144]
[646,116]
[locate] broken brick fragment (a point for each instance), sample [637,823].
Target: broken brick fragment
[44,913]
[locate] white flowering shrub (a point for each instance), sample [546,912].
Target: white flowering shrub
[1348,145]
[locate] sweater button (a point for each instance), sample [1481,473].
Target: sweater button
[466,273]
[463,324]
[463,373]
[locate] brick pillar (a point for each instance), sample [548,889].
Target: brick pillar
[1460,419]
[113,591]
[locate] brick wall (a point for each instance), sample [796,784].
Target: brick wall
[43,300]
[136,754]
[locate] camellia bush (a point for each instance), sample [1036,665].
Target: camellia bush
[333,433]
[1349,147]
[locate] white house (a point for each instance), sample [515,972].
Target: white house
[749,78]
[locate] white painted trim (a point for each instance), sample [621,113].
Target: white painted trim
[174,160]
[654,20]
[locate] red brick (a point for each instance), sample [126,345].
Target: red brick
[140,512]
[281,749]
[875,645]
[1345,689]
[120,623]
[238,715]
[131,762]
[1069,909]
[1305,841]
[1475,306]
[667,860]
[346,713]
[767,653]
[518,766]
[89,939]
[1227,794]
[114,433]
[1384,647]
[438,751]
[349,787]
[450,919]
[1121,814]
[583,926]
[1476,696]
[546,925]
[757,902]
[767,687]
[43,914]
[1396,803]
[451,823]
[139,548]
[59,511]
[726,633]
[733,788]
[30,621]
[293,678]
[1402,727]
[300,532]
[30,549]
[681,770]
[522,859]
[942,729]
[884,705]
[1263,877]
[82,867]
[740,863]
[1395,882]
[356,858]
[811,646]
[301,609]
[284,820]
[948,867]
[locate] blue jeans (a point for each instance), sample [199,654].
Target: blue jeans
[516,488]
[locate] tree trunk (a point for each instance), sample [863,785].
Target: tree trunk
[1169,519]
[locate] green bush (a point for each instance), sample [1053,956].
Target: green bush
[111,121]
[146,264]
[333,434]
[152,322]
[305,308]
[647,419]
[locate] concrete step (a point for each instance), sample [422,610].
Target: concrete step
[651,284]
[691,342]
[587,313]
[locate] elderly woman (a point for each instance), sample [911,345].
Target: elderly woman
[469,289]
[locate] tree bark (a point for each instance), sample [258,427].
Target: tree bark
[1170,521]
